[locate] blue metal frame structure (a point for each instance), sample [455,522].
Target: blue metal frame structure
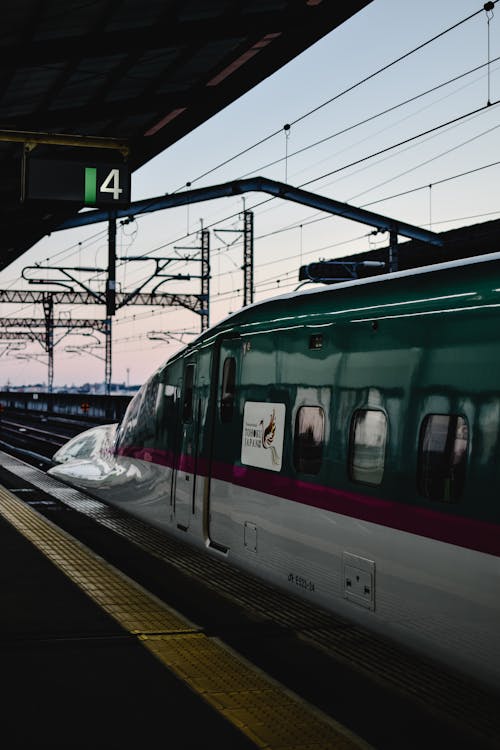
[263,185]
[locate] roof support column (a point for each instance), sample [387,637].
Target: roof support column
[48,312]
[111,282]
[110,301]
[107,357]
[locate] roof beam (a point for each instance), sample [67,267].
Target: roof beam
[169,30]
[260,184]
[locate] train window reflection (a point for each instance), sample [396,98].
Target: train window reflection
[228,389]
[442,457]
[367,449]
[308,439]
[145,426]
[187,407]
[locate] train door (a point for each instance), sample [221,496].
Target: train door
[226,443]
[186,465]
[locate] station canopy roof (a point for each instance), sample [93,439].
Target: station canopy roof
[143,71]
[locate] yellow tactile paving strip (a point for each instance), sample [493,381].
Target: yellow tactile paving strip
[267,713]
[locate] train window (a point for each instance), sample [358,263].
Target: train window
[187,404]
[308,439]
[442,457]
[367,449]
[228,389]
[145,428]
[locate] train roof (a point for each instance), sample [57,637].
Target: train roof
[373,281]
[392,276]
[379,292]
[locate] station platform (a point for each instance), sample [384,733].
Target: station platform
[115,636]
[73,676]
[92,659]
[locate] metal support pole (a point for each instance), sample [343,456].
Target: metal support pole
[107,360]
[48,311]
[110,300]
[205,279]
[111,282]
[248,258]
[393,250]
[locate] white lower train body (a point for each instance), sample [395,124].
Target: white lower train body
[440,599]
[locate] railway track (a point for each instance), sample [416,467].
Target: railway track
[36,439]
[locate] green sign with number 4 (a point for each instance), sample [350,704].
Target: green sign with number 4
[96,185]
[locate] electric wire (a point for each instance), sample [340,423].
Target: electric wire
[337,96]
[315,218]
[371,156]
[303,223]
[323,217]
[411,99]
[401,143]
[421,134]
[367,120]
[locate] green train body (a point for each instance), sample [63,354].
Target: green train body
[342,443]
[426,344]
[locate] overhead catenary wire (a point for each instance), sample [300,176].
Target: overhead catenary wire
[363,159]
[319,178]
[337,96]
[367,120]
[401,143]
[101,234]
[306,221]
[289,156]
[315,218]
[350,88]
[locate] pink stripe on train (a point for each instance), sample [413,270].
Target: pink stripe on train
[470,533]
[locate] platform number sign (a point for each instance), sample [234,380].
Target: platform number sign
[95,185]
[110,184]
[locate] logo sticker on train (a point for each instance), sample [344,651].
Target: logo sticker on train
[263,433]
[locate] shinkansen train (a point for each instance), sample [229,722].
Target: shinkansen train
[342,443]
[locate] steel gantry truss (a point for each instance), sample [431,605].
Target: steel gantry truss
[42,331]
[197,303]
[191,302]
[248,255]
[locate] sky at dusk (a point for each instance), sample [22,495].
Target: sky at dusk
[359,147]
